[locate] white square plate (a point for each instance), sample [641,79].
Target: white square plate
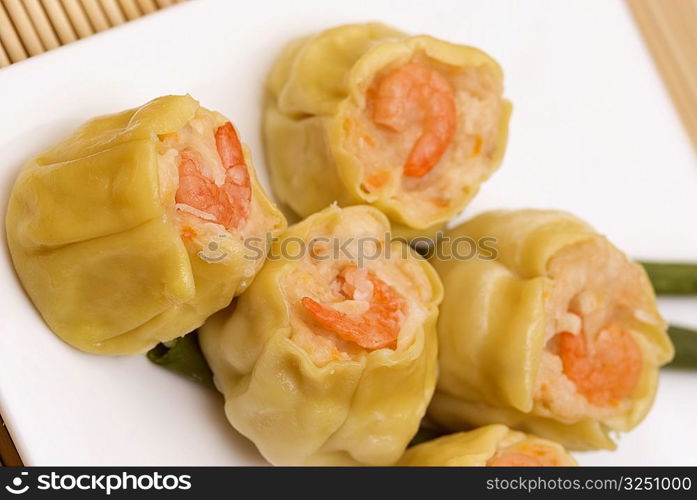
[593,132]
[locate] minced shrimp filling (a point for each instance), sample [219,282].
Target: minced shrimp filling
[340,310]
[428,132]
[205,184]
[527,452]
[593,359]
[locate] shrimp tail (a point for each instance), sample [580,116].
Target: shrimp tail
[377,328]
[417,90]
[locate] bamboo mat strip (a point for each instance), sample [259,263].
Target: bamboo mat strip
[4,58]
[9,38]
[130,9]
[113,12]
[78,18]
[96,15]
[31,27]
[59,20]
[147,6]
[38,17]
[669,28]
[25,28]
[8,453]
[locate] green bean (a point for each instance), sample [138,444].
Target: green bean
[183,356]
[685,342]
[672,278]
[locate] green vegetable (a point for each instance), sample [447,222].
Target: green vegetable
[685,342]
[183,356]
[672,278]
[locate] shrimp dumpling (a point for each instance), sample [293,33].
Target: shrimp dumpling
[330,356]
[131,231]
[552,330]
[364,114]
[488,446]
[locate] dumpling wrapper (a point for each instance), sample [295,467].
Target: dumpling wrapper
[298,391]
[492,445]
[323,144]
[96,236]
[513,321]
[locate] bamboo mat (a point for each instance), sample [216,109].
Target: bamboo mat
[8,452]
[669,28]
[31,27]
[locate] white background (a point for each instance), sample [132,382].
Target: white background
[593,132]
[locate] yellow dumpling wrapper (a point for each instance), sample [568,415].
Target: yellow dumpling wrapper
[95,236]
[298,392]
[509,319]
[323,144]
[487,446]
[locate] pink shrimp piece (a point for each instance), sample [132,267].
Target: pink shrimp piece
[229,203]
[515,460]
[536,455]
[378,327]
[607,375]
[415,93]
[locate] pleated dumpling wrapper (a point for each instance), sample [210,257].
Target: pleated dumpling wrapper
[132,231]
[489,446]
[364,114]
[330,358]
[550,329]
